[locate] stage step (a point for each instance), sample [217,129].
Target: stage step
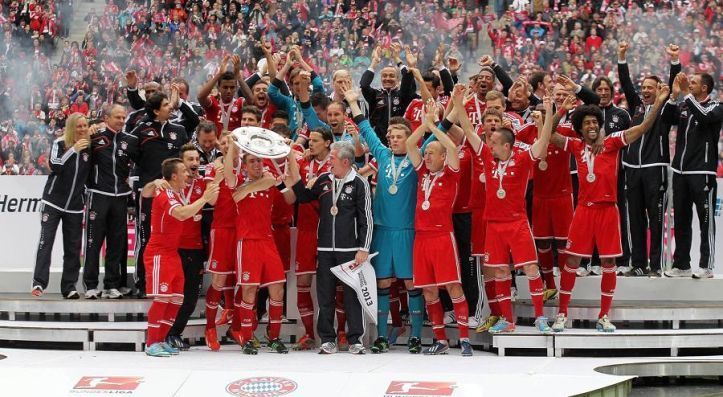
[640,289]
[523,338]
[631,310]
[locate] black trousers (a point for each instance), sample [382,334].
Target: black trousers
[624,223]
[72,235]
[646,201]
[106,220]
[701,190]
[143,235]
[326,297]
[192,262]
[462,224]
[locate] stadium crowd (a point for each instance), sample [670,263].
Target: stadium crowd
[567,89]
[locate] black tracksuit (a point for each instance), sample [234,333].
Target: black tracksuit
[646,174]
[385,104]
[694,175]
[107,210]
[157,141]
[338,243]
[62,201]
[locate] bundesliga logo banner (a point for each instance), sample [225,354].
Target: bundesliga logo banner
[363,280]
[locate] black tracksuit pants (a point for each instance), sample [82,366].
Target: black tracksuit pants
[72,236]
[326,297]
[192,262]
[462,224]
[107,220]
[701,190]
[143,236]
[646,201]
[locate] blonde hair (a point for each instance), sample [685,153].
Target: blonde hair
[492,95]
[70,125]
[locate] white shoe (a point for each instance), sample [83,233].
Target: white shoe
[513,295]
[604,325]
[92,293]
[125,291]
[675,272]
[623,269]
[703,273]
[560,321]
[595,271]
[473,322]
[357,348]
[582,272]
[112,294]
[450,318]
[328,348]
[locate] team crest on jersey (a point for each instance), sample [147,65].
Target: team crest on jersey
[164,287]
[124,145]
[486,257]
[234,109]
[91,215]
[615,118]
[172,135]
[512,163]
[262,386]
[197,190]
[461,154]
[246,276]
[348,190]
[213,264]
[569,244]
[86,156]
[45,217]
[396,101]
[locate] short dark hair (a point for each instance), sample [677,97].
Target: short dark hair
[326,133]
[707,80]
[228,75]
[340,103]
[206,126]
[401,122]
[252,109]
[596,83]
[433,78]
[169,166]
[492,112]
[581,112]
[507,135]
[182,81]
[280,114]
[281,129]
[536,79]
[319,99]
[186,148]
[654,78]
[154,102]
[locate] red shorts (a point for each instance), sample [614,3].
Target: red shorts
[551,217]
[509,238]
[282,238]
[222,249]
[258,263]
[479,232]
[593,226]
[435,260]
[306,244]
[164,274]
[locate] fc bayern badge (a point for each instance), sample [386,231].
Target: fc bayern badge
[172,135]
[262,386]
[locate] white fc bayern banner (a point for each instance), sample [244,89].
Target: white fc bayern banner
[363,280]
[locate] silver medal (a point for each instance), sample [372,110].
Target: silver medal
[591,178]
[393,189]
[334,210]
[425,205]
[542,165]
[501,193]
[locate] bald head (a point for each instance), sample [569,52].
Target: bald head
[151,88]
[434,156]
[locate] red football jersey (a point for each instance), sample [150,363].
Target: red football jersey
[461,204]
[475,108]
[477,190]
[443,185]
[554,180]
[415,111]
[514,183]
[165,229]
[191,236]
[526,133]
[266,115]
[218,112]
[281,212]
[604,189]
[309,212]
[253,214]
[224,211]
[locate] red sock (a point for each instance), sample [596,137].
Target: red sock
[212,297]
[155,316]
[567,284]
[394,306]
[536,288]
[545,258]
[561,260]
[503,292]
[340,314]
[237,318]
[436,314]
[607,289]
[403,297]
[306,308]
[276,309]
[246,312]
[461,311]
[169,317]
[491,296]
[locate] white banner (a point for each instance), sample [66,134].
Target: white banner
[20,219]
[364,282]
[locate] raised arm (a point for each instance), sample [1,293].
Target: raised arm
[134,98]
[413,152]
[149,190]
[423,91]
[207,87]
[258,185]
[351,97]
[458,95]
[556,138]
[243,87]
[539,148]
[229,162]
[631,96]
[449,146]
[585,94]
[633,133]
[187,211]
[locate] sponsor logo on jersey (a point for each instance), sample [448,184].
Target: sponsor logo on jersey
[107,384]
[420,389]
[262,386]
